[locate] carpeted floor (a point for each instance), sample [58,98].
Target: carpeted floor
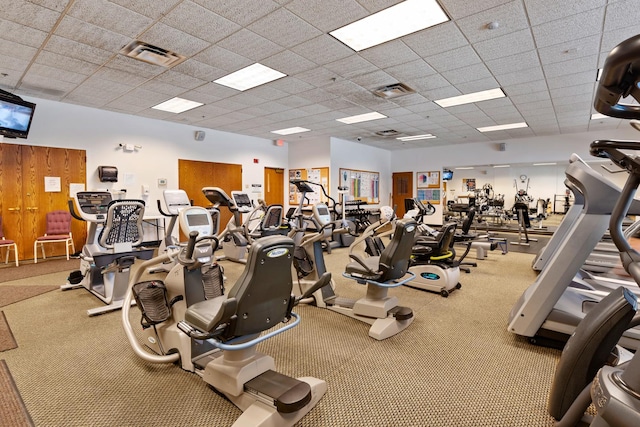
[7,340]
[26,269]
[12,410]
[455,366]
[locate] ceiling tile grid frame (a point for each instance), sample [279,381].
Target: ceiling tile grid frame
[543,53]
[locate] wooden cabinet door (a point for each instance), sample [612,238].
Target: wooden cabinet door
[25,200]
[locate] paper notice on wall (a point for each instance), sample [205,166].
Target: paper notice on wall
[52,184]
[75,188]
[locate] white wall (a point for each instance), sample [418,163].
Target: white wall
[351,155]
[163,143]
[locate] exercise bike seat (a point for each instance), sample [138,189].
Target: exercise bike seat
[207,315]
[393,262]
[260,299]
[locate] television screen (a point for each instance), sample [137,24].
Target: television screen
[15,116]
[447,175]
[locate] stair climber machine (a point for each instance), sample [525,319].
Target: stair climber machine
[234,240]
[379,273]
[188,320]
[549,310]
[113,244]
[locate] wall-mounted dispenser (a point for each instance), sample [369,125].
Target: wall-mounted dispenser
[108,173]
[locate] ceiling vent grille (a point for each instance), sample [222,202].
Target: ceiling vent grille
[152,54]
[393,91]
[389,133]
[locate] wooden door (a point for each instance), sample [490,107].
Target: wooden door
[25,200]
[11,193]
[274,186]
[193,175]
[402,189]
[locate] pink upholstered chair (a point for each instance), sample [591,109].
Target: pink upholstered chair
[58,231]
[8,245]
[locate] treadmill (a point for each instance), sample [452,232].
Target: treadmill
[548,311]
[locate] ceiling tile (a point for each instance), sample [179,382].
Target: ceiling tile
[434,40]
[510,16]
[29,14]
[453,59]
[507,45]
[458,9]
[243,12]
[110,16]
[200,22]
[327,15]
[541,11]
[250,45]
[575,27]
[284,28]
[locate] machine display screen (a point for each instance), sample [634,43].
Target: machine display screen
[323,211]
[242,199]
[197,220]
[93,203]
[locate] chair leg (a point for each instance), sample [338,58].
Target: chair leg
[44,255]
[35,252]
[15,253]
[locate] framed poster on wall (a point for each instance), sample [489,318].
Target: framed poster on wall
[429,179]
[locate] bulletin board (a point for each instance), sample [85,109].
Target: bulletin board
[363,185]
[317,175]
[430,195]
[429,179]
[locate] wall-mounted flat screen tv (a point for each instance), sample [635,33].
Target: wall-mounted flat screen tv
[447,175]
[15,116]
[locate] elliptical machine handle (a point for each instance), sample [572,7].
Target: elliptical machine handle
[191,244]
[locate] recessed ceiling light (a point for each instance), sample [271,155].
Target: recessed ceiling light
[465,168]
[544,164]
[251,76]
[503,127]
[416,137]
[391,23]
[362,118]
[501,166]
[177,105]
[596,116]
[289,131]
[471,97]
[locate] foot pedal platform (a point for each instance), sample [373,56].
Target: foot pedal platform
[342,302]
[401,313]
[287,394]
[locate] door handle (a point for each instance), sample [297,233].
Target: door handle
[13,209]
[32,208]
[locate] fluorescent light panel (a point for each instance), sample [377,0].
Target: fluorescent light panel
[503,127]
[416,137]
[501,166]
[465,168]
[177,105]
[362,118]
[471,97]
[391,23]
[596,116]
[544,164]
[249,77]
[289,131]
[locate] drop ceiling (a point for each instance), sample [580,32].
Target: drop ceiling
[544,54]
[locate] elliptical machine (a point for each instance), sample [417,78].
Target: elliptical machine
[113,244]
[187,319]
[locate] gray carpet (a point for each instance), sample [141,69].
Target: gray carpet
[456,365]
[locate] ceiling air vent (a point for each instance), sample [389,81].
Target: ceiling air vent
[389,133]
[152,54]
[393,91]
